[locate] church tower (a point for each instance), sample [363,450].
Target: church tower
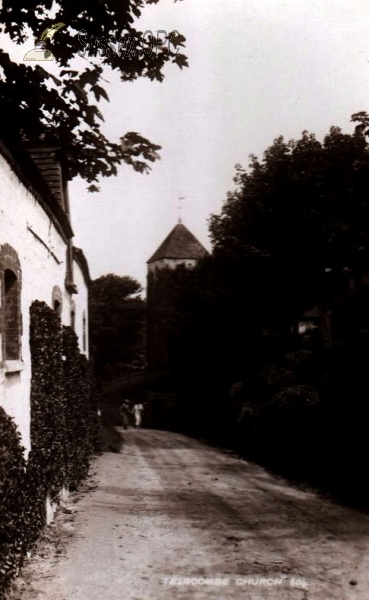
[179,252]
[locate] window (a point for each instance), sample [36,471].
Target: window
[11,316]
[57,300]
[10,313]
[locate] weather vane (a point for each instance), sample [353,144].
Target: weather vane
[180,208]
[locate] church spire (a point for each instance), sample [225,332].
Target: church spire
[179,246]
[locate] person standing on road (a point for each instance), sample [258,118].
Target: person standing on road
[137,413]
[124,411]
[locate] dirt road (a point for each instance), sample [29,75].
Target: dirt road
[174,518]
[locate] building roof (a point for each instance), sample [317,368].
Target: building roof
[28,173]
[180,243]
[46,159]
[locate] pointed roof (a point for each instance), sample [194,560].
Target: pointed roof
[180,243]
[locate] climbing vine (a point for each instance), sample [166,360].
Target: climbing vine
[47,398]
[63,437]
[12,478]
[79,414]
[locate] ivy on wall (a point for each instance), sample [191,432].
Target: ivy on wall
[63,436]
[12,478]
[47,397]
[79,413]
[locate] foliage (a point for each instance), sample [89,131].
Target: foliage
[94,407]
[165,289]
[117,319]
[293,236]
[12,478]
[185,319]
[47,398]
[80,416]
[59,395]
[65,109]
[46,461]
[205,324]
[298,215]
[111,439]
[63,423]
[63,436]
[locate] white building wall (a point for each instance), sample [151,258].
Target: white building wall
[42,268]
[81,309]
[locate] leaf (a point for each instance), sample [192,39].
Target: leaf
[35,109]
[93,188]
[99,92]
[181,60]
[47,75]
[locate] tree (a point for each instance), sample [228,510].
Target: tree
[65,109]
[293,234]
[299,215]
[117,320]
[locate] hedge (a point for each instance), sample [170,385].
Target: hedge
[64,434]
[79,416]
[12,478]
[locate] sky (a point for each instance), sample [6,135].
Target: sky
[257,69]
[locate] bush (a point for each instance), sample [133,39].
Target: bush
[64,433]
[63,416]
[47,399]
[80,414]
[12,478]
[288,424]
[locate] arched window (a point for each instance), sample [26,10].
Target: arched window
[57,307]
[57,300]
[10,314]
